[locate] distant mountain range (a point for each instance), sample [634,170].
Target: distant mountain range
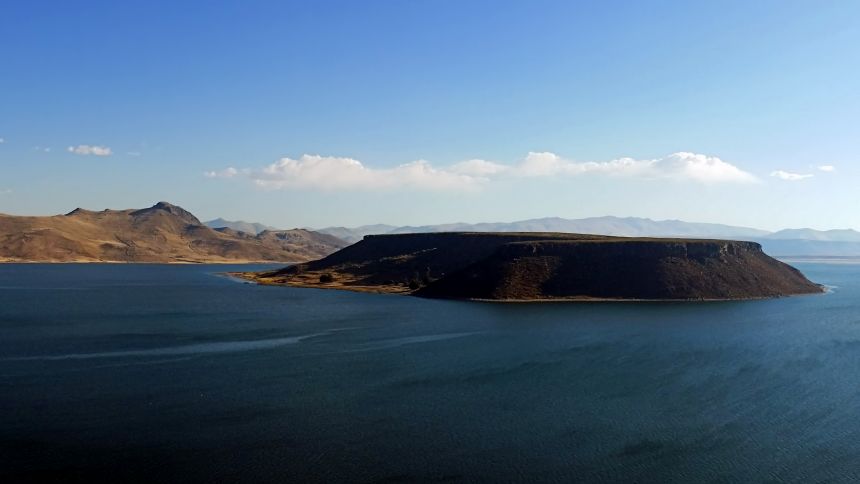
[353,235]
[843,235]
[239,226]
[626,227]
[167,233]
[161,233]
[788,242]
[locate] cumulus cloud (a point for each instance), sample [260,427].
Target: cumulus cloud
[678,166]
[90,150]
[478,168]
[789,176]
[334,173]
[827,168]
[337,173]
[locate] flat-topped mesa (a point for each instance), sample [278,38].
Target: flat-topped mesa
[624,269]
[550,266]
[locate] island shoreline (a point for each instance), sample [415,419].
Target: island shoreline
[252,277]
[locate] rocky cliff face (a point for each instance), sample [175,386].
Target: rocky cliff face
[537,266]
[619,269]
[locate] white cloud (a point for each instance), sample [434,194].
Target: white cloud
[337,173]
[42,148]
[701,168]
[2,140]
[789,176]
[225,173]
[827,168]
[479,168]
[90,150]
[133,153]
[678,166]
[333,173]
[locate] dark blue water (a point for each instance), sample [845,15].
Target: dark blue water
[175,374]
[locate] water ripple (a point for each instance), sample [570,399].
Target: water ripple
[195,349]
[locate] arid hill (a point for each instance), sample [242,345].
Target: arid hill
[549,266]
[161,233]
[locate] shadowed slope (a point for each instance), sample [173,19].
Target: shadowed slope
[621,269]
[387,263]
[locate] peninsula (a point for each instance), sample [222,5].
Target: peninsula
[548,266]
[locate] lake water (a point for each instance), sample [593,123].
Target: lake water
[173,373]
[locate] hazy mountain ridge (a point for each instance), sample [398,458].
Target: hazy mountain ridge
[252,228]
[787,242]
[618,226]
[161,233]
[355,234]
[840,242]
[835,235]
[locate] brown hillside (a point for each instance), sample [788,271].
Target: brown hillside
[161,233]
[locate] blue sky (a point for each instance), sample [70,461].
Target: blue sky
[346,113]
